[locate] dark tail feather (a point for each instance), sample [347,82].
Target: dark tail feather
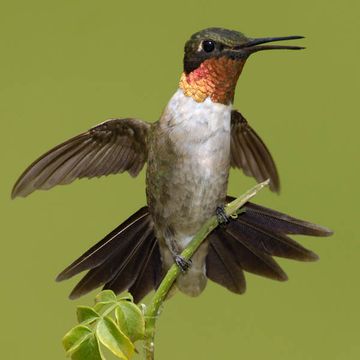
[221,265]
[279,222]
[131,267]
[248,256]
[268,241]
[123,263]
[101,251]
[252,239]
[151,274]
[120,260]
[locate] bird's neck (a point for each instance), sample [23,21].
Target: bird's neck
[215,78]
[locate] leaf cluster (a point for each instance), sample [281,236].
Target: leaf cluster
[113,323]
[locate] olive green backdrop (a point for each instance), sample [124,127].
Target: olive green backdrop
[68,65]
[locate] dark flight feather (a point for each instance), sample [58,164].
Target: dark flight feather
[125,257]
[131,266]
[272,243]
[151,274]
[279,222]
[112,147]
[249,153]
[248,256]
[221,265]
[252,239]
[114,241]
[122,266]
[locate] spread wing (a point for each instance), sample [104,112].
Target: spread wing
[114,146]
[248,152]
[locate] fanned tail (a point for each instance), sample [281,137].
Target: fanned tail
[129,257]
[249,242]
[126,259]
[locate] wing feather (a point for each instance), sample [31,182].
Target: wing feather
[114,146]
[249,153]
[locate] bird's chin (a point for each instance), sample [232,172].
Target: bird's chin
[239,56]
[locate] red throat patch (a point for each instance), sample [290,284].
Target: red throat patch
[215,78]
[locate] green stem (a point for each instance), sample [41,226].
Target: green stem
[153,310]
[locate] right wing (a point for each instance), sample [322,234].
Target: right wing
[114,146]
[249,153]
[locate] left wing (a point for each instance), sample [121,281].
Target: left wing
[249,153]
[112,147]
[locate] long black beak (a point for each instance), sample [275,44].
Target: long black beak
[252,45]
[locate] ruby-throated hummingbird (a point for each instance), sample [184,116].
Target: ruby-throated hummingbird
[189,152]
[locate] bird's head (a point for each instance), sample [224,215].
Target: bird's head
[214,58]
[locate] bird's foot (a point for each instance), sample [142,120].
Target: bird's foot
[223,219]
[182,263]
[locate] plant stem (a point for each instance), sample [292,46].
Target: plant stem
[153,310]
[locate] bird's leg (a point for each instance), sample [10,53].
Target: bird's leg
[223,219]
[182,263]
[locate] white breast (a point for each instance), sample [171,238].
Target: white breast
[200,132]
[201,120]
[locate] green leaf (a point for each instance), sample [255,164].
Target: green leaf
[104,299]
[86,314]
[114,339]
[130,320]
[76,336]
[80,343]
[87,350]
[106,296]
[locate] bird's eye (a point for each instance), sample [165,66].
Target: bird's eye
[208,45]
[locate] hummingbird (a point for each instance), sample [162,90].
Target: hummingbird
[189,152]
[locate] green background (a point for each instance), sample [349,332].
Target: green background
[68,65]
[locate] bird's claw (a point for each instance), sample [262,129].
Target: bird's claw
[182,263]
[223,219]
